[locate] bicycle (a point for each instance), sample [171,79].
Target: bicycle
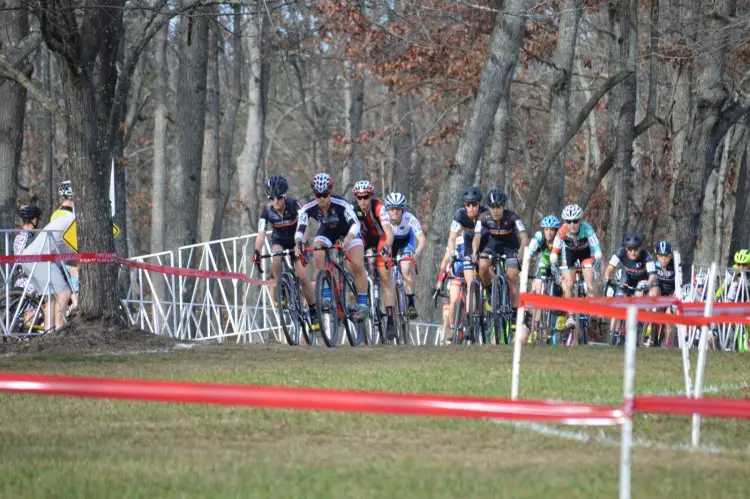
[500,314]
[579,290]
[459,316]
[375,331]
[341,298]
[25,313]
[401,314]
[295,317]
[617,334]
[548,319]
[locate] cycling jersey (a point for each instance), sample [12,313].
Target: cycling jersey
[666,278]
[539,244]
[457,269]
[334,224]
[462,220]
[582,246]
[20,243]
[502,233]
[371,223]
[404,233]
[636,270]
[283,224]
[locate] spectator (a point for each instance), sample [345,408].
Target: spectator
[51,241]
[30,215]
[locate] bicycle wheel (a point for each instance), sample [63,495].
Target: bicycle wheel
[290,316]
[327,312]
[355,329]
[474,311]
[374,327]
[29,317]
[403,335]
[459,318]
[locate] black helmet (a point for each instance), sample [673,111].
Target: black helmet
[663,248]
[472,195]
[29,212]
[633,240]
[497,197]
[276,186]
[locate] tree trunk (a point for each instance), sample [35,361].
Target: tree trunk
[707,129]
[227,163]
[249,160]
[210,189]
[497,71]
[570,14]
[185,176]
[48,134]
[625,97]
[354,96]
[498,169]
[14,26]
[402,144]
[741,229]
[161,139]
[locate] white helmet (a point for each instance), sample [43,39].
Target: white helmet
[395,200]
[572,212]
[66,189]
[322,183]
[363,187]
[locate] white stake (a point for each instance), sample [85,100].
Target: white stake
[701,367]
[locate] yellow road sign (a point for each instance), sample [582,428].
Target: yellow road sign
[70,236]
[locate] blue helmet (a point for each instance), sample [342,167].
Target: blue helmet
[663,248]
[551,222]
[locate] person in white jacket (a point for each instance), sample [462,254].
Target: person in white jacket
[48,275]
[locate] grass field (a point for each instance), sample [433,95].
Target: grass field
[66,447]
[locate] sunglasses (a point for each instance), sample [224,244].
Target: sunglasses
[323,195]
[363,198]
[275,198]
[633,249]
[574,222]
[471,205]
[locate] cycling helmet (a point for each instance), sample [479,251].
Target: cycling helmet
[322,183]
[497,197]
[276,186]
[742,257]
[29,211]
[663,248]
[700,279]
[633,240]
[550,222]
[472,195]
[395,200]
[66,190]
[572,212]
[363,187]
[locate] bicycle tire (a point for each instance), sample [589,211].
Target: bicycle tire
[355,330]
[18,299]
[290,315]
[459,311]
[327,310]
[474,311]
[373,332]
[402,317]
[496,305]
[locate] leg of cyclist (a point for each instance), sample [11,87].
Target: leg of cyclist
[386,286]
[407,271]
[275,267]
[454,294]
[587,269]
[355,251]
[514,279]
[303,272]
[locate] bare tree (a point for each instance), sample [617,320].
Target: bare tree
[210,188]
[185,175]
[14,27]
[161,140]
[496,73]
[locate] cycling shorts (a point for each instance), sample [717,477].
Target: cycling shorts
[327,242]
[402,248]
[632,280]
[511,257]
[286,243]
[571,256]
[377,244]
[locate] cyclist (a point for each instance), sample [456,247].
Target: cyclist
[638,267]
[337,221]
[665,271]
[281,213]
[577,241]
[500,231]
[542,243]
[465,220]
[30,215]
[452,267]
[406,231]
[377,235]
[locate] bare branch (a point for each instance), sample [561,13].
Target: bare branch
[9,70]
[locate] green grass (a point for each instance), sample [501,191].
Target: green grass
[68,447]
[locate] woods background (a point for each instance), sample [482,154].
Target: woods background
[639,111]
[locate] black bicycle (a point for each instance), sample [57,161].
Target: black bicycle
[401,313]
[375,327]
[295,316]
[500,315]
[25,314]
[336,298]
